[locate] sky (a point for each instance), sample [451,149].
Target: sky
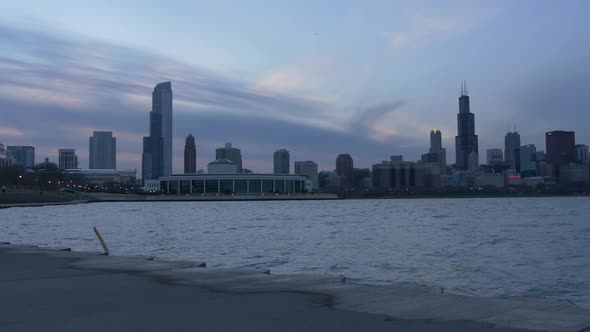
[319,78]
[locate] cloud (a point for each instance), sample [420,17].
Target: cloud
[11,132]
[423,29]
[72,87]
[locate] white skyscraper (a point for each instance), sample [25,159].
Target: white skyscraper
[102,151]
[309,169]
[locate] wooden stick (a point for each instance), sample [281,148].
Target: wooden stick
[104,245]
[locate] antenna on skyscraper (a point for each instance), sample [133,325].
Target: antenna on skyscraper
[466,93]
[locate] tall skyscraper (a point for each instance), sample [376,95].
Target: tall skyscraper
[511,146]
[102,152]
[24,155]
[436,147]
[466,140]
[344,167]
[68,159]
[230,153]
[494,156]
[582,153]
[528,160]
[162,104]
[309,169]
[281,161]
[190,155]
[2,151]
[157,147]
[560,149]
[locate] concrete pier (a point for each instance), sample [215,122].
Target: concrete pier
[55,290]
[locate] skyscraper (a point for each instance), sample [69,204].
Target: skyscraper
[528,160]
[466,140]
[190,155]
[157,147]
[102,152]
[436,147]
[24,155]
[281,162]
[230,153]
[560,149]
[162,104]
[511,146]
[344,167]
[2,151]
[68,159]
[310,169]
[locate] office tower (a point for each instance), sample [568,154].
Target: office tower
[162,104]
[309,169]
[68,159]
[582,153]
[528,160]
[344,166]
[24,155]
[157,147]
[230,153]
[2,151]
[102,152]
[396,158]
[436,147]
[281,162]
[190,155]
[560,147]
[494,156]
[511,145]
[466,140]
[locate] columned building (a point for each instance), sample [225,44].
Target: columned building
[466,144]
[281,162]
[68,159]
[102,152]
[190,155]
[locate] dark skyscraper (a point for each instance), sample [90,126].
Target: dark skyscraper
[560,149]
[437,149]
[190,155]
[511,148]
[281,162]
[466,140]
[157,147]
[344,169]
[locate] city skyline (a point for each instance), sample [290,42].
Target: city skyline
[389,110]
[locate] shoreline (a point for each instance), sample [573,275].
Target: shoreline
[403,304]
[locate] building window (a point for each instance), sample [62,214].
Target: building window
[212,186]
[241,186]
[280,186]
[254,186]
[198,186]
[267,186]
[185,187]
[226,186]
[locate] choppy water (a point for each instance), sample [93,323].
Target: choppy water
[499,246]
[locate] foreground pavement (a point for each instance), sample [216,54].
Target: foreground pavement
[51,290]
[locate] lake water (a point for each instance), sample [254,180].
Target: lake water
[496,246]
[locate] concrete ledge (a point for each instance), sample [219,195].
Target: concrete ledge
[404,301]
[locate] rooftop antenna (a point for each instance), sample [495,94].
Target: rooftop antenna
[462,89]
[466,88]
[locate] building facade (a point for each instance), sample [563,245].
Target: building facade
[230,153]
[494,156]
[528,160]
[67,159]
[344,167]
[281,162]
[102,150]
[437,149]
[104,176]
[511,146]
[24,155]
[223,166]
[190,155]
[240,183]
[308,169]
[466,142]
[560,149]
[582,153]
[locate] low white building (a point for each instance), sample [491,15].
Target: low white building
[223,166]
